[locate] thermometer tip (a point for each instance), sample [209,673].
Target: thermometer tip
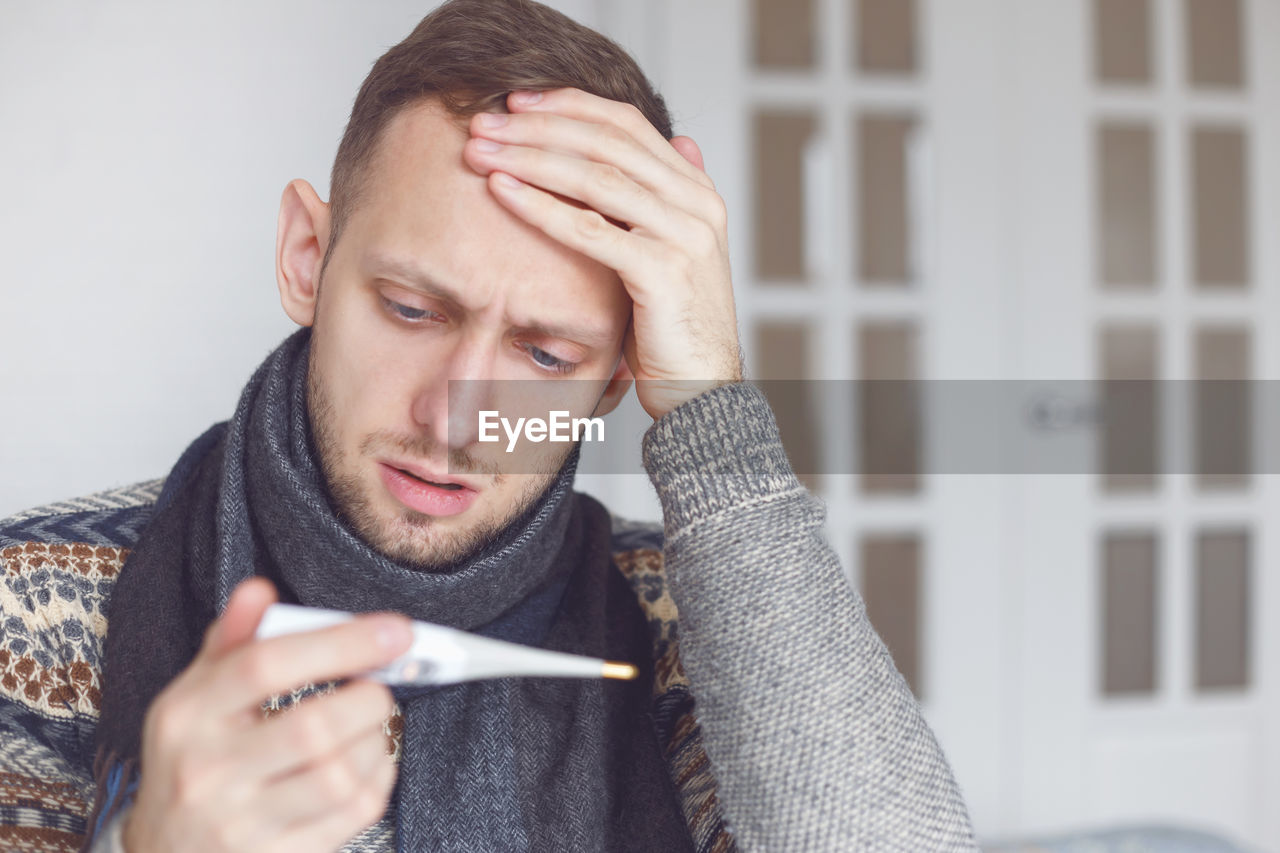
[623,671]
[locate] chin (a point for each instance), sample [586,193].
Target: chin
[417,542]
[425,541]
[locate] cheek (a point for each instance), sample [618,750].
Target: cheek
[355,343]
[369,370]
[346,364]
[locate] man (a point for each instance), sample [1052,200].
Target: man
[508,208]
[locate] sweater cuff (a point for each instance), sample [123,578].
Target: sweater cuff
[718,450]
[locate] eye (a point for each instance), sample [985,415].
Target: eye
[549,361]
[406,312]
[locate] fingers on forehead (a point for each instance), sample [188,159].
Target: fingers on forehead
[575,103]
[584,105]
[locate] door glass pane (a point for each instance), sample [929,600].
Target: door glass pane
[886,33]
[1221,212]
[1122,41]
[783,366]
[1126,205]
[1129,616]
[783,34]
[889,408]
[781,139]
[1130,436]
[884,199]
[1222,609]
[1223,403]
[891,580]
[1214,43]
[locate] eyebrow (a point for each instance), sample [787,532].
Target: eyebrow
[414,276]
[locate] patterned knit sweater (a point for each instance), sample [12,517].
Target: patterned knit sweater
[59,565]
[806,737]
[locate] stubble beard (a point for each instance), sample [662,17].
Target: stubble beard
[410,537]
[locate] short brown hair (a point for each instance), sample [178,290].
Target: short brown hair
[471,54]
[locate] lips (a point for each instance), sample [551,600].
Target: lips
[425,492]
[428,477]
[450,486]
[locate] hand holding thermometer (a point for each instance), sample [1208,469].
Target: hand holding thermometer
[441,655]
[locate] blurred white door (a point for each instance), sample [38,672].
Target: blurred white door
[949,190]
[1145,183]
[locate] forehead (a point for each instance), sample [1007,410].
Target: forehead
[420,199]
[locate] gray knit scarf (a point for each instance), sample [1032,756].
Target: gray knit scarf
[459,782]
[494,765]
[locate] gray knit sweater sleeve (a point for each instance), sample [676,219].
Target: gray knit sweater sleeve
[814,738]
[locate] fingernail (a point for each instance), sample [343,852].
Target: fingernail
[494,119]
[488,146]
[527,98]
[392,633]
[506,180]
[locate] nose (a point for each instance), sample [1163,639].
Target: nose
[449,406]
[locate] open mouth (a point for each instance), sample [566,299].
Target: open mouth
[453,487]
[413,490]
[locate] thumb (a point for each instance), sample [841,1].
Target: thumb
[239,621]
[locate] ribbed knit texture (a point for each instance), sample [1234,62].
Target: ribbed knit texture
[814,737]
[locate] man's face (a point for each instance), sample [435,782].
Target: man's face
[432,280]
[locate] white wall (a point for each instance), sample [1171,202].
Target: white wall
[144,149]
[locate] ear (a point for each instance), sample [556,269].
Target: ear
[302,235]
[619,385]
